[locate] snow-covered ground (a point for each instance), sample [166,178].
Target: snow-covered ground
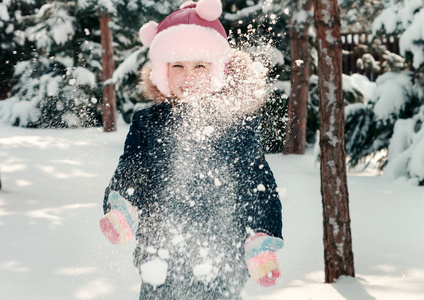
[52,247]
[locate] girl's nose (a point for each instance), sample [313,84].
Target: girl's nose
[189,76]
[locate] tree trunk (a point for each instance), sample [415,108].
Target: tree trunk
[295,140]
[338,253]
[108,67]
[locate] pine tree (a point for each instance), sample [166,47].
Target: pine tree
[307,77]
[404,17]
[53,87]
[357,15]
[108,67]
[398,98]
[104,11]
[12,40]
[300,52]
[338,255]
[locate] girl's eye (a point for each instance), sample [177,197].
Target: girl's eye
[177,66]
[200,66]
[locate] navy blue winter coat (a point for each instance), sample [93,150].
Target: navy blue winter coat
[200,185]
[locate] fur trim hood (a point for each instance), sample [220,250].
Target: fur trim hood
[244,90]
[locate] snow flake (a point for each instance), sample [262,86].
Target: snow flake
[151,250]
[250,231]
[227,268]
[259,93]
[164,254]
[154,272]
[208,130]
[203,252]
[130,191]
[259,68]
[204,271]
[4,14]
[177,239]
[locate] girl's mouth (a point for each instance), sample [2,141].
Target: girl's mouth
[188,90]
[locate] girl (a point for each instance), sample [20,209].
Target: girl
[193,173]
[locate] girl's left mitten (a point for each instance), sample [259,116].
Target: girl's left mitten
[261,259]
[120,223]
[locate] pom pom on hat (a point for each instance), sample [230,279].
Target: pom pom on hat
[209,10]
[187,3]
[148,32]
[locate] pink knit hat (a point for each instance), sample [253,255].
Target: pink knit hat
[191,33]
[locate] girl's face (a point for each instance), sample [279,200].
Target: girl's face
[189,78]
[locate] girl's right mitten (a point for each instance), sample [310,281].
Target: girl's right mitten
[120,223]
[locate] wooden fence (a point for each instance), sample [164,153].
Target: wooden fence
[352,51]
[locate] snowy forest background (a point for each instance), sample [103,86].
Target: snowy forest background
[51,69]
[56,160]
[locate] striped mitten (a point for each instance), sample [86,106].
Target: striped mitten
[261,259]
[120,223]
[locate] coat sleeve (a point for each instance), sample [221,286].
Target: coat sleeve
[260,204]
[129,177]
